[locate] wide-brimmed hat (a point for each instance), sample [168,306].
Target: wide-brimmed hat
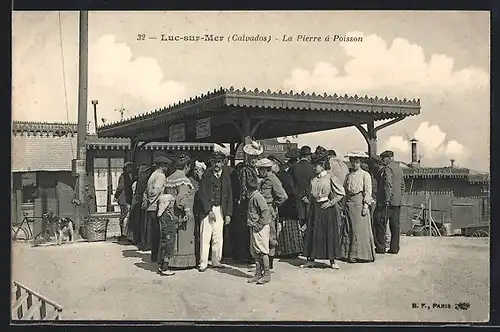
[253,149]
[305,151]
[320,157]
[264,162]
[293,153]
[386,154]
[275,159]
[128,163]
[321,149]
[357,154]
[162,160]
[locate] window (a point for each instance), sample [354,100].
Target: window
[29,187]
[106,174]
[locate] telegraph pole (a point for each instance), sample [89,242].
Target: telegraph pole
[95,102]
[82,116]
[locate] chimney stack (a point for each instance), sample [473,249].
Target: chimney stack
[414,156]
[452,163]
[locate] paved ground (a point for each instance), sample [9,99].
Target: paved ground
[108,281]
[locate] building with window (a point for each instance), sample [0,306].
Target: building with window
[42,178]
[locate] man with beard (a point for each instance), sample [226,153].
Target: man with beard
[302,173]
[215,198]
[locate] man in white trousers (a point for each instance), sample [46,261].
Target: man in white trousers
[215,198]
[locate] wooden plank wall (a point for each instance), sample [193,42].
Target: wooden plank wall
[459,211]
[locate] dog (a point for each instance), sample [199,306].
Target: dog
[60,228]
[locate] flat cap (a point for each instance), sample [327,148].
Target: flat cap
[162,160]
[386,154]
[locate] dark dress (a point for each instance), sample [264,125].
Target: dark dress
[322,238]
[302,173]
[240,230]
[290,239]
[145,229]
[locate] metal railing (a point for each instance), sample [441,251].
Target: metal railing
[29,305]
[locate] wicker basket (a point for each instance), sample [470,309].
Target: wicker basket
[96,229]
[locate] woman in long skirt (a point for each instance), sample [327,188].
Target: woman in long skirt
[177,224]
[143,222]
[357,240]
[290,238]
[322,240]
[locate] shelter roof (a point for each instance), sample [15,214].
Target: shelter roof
[285,113]
[38,146]
[56,128]
[42,152]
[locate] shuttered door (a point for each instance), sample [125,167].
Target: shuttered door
[101,173]
[116,167]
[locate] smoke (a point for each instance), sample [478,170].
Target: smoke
[432,146]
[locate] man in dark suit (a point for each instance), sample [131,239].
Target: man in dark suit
[389,193]
[302,173]
[215,198]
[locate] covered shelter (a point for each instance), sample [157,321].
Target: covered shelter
[230,115]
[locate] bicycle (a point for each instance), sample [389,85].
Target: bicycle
[25,228]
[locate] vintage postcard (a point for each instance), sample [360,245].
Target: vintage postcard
[328,166]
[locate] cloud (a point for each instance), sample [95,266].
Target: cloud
[401,67]
[432,146]
[116,76]
[454,100]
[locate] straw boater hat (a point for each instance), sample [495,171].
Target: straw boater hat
[254,148]
[357,154]
[264,163]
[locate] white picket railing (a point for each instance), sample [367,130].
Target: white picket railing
[29,305]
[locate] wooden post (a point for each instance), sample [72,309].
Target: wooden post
[372,138]
[82,114]
[232,151]
[245,130]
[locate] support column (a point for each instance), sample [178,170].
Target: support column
[372,138]
[232,151]
[245,131]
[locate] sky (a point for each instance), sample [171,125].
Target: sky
[442,58]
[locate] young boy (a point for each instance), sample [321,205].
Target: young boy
[259,220]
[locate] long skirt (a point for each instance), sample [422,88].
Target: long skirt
[290,239]
[154,234]
[145,243]
[357,235]
[240,234]
[135,223]
[321,237]
[177,241]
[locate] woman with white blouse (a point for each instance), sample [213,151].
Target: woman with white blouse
[357,237]
[322,238]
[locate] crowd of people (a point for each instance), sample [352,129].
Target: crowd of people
[310,204]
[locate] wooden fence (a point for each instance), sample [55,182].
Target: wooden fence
[29,305]
[460,212]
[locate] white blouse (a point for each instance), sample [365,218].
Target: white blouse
[359,182]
